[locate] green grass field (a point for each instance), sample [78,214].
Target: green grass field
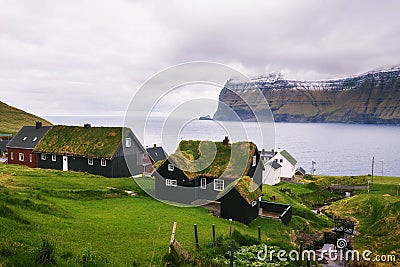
[91,221]
[85,214]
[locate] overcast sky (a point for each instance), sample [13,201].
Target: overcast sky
[89,57]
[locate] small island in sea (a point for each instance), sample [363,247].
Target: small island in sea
[205,118]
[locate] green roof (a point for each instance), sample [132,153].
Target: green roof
[100,142]
[246,188]
[200,159]
[288,157]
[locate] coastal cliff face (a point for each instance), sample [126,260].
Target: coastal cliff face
[373,97]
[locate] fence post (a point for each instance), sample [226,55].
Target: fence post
[232,252]
[259,233]
[301,248]
[172,237]
[308,263]
[213,233]
[196,237]
[230,227]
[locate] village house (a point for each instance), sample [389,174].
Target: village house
[3,147]
[98,150]
[281,156]
[233,178]
[154,154]
[272,172]
[20,148]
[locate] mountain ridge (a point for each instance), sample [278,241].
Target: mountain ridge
[371,98]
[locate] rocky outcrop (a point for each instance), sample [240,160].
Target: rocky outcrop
[373,97]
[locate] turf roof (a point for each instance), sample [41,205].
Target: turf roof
[199,159]
[289,157]
[100,142]
[246,187]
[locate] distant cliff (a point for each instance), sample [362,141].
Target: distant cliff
[373,97]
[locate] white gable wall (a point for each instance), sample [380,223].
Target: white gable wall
[271,176]
[287,170]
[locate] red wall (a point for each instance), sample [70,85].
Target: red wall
[26,153]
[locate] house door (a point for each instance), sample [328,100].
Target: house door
[65,163]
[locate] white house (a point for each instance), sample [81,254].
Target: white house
[281,156]
[271,173]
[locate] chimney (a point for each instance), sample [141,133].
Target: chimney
[87,125]
[155,146]
[38,125]
[225,142]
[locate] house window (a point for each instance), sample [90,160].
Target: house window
[281,160]
[254,203]
[30,157]
[218,185]
[34,139]
[24,139]
[103,162]
[90,161]
[43,156]
[12,156]
[21,157]
[171,167]
[54,157]
[203,183]
[128,142]
[254,161]
[169,182]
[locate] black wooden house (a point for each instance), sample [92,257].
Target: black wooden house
[180,178]
[96,150]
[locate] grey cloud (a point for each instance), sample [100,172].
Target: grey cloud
[89,57]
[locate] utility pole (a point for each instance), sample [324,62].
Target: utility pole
[382,172]
[373,163]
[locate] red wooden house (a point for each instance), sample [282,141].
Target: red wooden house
[20,148]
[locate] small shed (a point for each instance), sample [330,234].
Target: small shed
[241,202]
[300,172]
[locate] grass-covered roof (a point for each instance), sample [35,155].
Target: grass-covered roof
[100,142]
[248,189]
[289,157]
[213,159]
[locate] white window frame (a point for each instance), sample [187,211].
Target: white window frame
[254,161]
[53,157]
[253,203]
[43,156]
[203,183]
[128,142]
[171,167]
[218,183]
[21,157]
[34,139]
[25,137]
[170,182]
[12,155]
[103,162]
[30,157]
[90,161]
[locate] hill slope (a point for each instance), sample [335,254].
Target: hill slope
[373,97]
[12,119]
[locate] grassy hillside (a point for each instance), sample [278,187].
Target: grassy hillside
[12,119]
[377,215]
[90,219]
